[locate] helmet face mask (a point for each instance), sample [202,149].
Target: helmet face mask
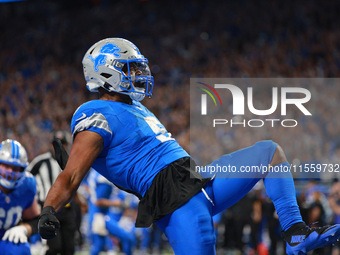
[137,79]
[117,65]
[10,179]
[13,161]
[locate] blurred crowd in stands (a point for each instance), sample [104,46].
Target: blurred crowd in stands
[42,84]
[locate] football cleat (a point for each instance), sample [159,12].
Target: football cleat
[301,239]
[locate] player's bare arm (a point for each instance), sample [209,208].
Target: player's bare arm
[29,214]
[104,202]
[86,147]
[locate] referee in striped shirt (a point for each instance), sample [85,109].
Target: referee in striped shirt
[45,169]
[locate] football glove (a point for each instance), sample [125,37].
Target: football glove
[48,223]
[17,234]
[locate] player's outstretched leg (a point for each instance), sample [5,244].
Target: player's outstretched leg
[299,238]
[230,187]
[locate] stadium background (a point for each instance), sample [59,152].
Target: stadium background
[42,44]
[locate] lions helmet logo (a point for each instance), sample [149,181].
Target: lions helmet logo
[101,58]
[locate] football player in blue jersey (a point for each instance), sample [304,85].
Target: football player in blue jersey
[19,208]
[101,221]
[127,144]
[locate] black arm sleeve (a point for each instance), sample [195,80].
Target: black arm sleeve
[34,224]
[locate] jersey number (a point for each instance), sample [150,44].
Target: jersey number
[158,128]
[10,216]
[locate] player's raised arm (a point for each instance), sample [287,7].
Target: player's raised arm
[86,147]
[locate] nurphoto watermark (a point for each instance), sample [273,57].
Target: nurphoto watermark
[228,114]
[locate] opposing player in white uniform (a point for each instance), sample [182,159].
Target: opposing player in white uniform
[19,208]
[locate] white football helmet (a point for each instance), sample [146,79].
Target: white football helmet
[108,64]
[14,154]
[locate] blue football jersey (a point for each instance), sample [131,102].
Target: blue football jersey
[14,203]
[99,187]
[136,145]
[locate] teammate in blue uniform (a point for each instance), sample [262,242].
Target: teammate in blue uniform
[127,144]
[101,221]
[19,208]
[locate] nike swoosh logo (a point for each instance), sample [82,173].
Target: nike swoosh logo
[82,117]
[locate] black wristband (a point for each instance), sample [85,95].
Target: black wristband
[47,210]
[34,224]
